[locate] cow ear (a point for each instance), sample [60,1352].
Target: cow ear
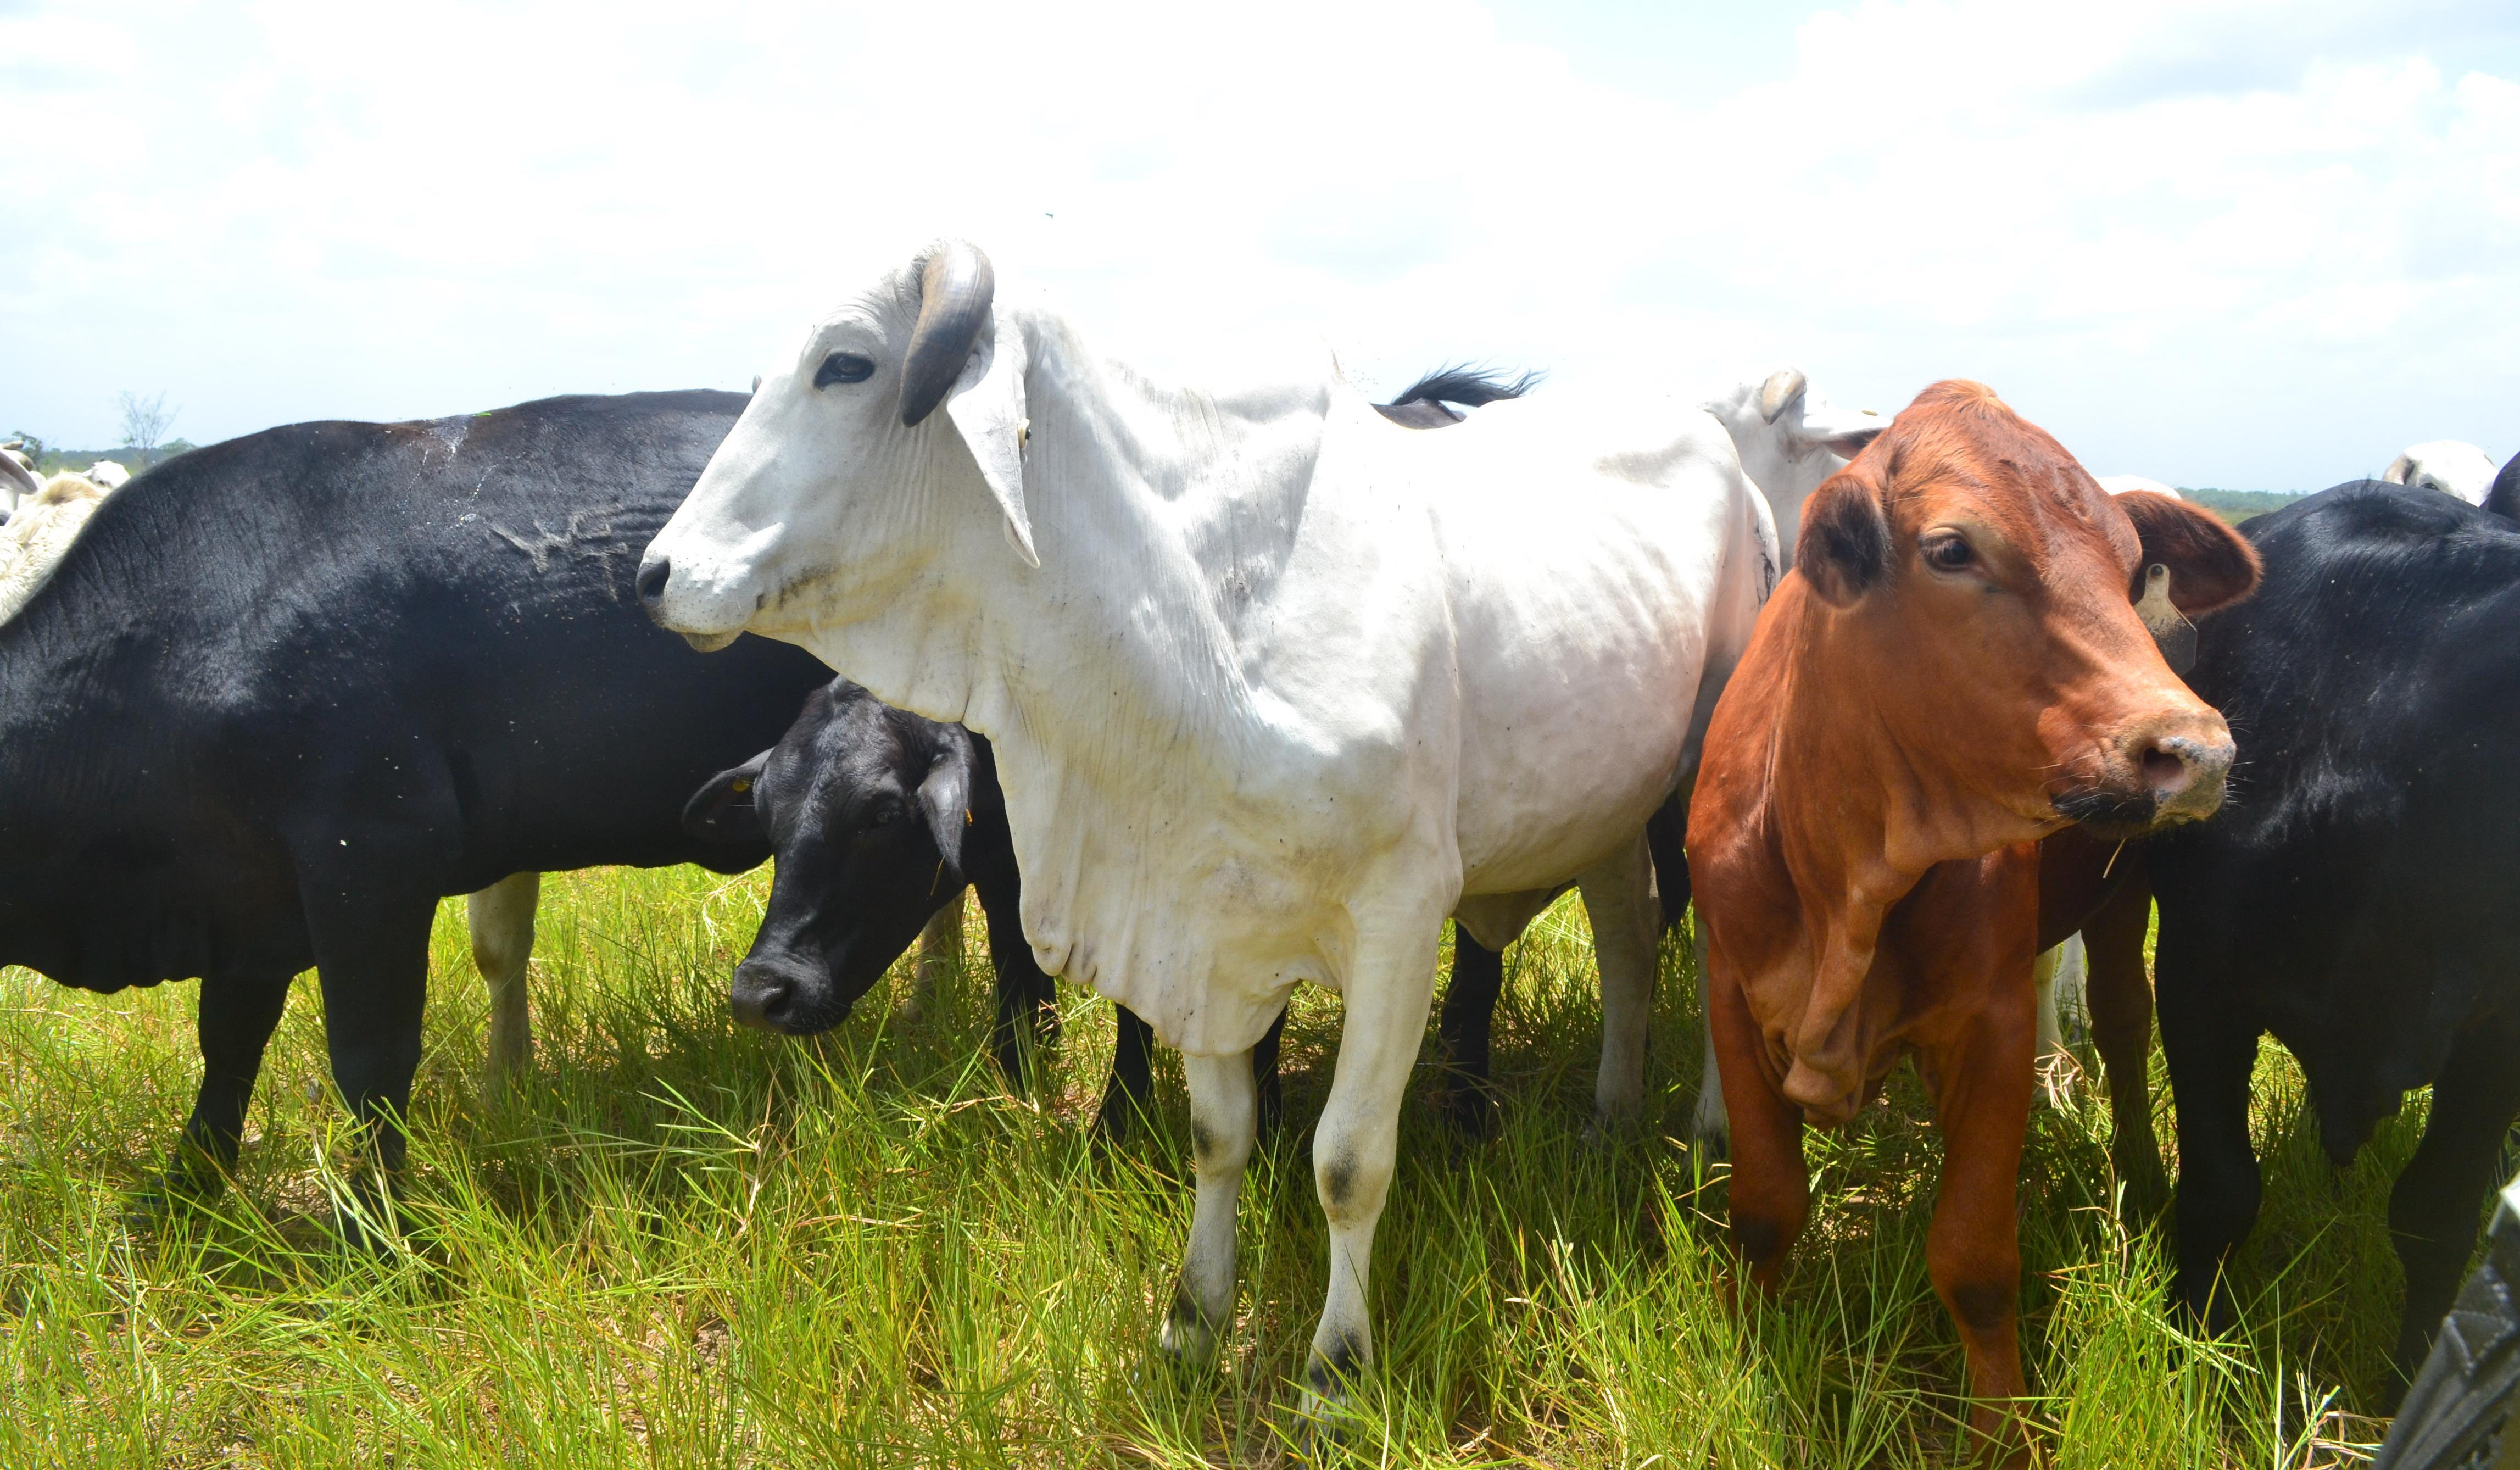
[946,796]
[1844,547]
[988,408]
[2211,565]
[727,809]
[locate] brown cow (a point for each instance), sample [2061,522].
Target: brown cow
[1953,669]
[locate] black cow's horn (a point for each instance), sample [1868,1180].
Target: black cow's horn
[954,292]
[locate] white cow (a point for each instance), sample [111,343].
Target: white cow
[2448,466]
[48,517]
[1275,685]
[108,475]
[2119,485]
[18,480]
[1791,440]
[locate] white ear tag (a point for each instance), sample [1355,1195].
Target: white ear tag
[2175,635]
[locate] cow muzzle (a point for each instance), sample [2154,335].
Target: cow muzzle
[776,992]
[655,581]
[2158,775]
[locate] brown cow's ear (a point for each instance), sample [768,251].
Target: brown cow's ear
[2211,565]
[1844,548]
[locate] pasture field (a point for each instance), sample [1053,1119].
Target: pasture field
[682,1244]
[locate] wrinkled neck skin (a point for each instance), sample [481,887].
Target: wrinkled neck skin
[1128,692]
[1100,468]
[1848,856]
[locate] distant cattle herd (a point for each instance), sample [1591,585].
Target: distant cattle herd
[1213,689]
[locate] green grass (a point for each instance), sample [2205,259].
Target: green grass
[682,1244]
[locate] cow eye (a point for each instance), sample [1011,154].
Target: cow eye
[844,367]
[1948,552]
[883,816]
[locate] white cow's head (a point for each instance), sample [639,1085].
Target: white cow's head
[842,486]
[2448,466]
[1789,439]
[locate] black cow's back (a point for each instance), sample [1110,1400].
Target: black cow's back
[2355,893]
[420,637]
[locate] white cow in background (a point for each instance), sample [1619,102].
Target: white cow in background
[1791,440]
[48,516]
[1273,685]
[2448,466]
[108,475]
[2119,485]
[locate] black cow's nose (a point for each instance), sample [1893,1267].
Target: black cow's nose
[653,573]
[760,995]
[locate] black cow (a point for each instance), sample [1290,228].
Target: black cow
[879,819]
[287,691]
[2355,896]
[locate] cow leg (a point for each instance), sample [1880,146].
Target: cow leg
[2210,1058]
[1224,1117]
[501,918]
[1770,1189]
[1357,1141]
[1027,998]
[2120,996]
[1619,898]
[2433,1209]
[1468,1020]
[237,1015]
[372,962]
[940,955]
[1982,1095]
[1133,1081]
[1710,1128]
[1264,1076]
[2055,1065]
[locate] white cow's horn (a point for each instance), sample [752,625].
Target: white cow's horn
[954,293]
[25,481]
[1784,386]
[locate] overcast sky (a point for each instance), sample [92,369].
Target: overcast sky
[2248,244]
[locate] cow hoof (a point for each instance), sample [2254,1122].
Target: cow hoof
[179,1190]
[2060,1083]
[1330,1412]
[1469,1112]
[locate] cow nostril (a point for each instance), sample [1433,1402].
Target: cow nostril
[653,577]
[758,999]
[2164,768]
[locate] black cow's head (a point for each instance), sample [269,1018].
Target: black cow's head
[864,808]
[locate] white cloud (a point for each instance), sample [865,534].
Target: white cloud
[2203,242]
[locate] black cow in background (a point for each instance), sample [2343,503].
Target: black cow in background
[2356,897]
[287,692]
[879,819]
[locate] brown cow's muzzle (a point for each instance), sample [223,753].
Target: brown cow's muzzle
[2159,773]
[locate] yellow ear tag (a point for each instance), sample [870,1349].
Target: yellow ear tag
[967,817]
[740,787]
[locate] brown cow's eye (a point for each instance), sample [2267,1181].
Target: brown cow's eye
[844,367]
[1948,553]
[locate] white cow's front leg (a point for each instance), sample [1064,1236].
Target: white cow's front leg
[1626,922]
[1224,1116]
[2059,1070]
[1710,1128]
[501,918]
[1358,1140]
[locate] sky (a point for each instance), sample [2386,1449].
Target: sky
[2244,245]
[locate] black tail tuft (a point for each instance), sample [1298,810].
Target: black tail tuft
[1466,385]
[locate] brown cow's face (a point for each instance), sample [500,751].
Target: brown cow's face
[1994,584]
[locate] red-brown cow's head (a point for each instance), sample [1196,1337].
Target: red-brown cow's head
[1994,584]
